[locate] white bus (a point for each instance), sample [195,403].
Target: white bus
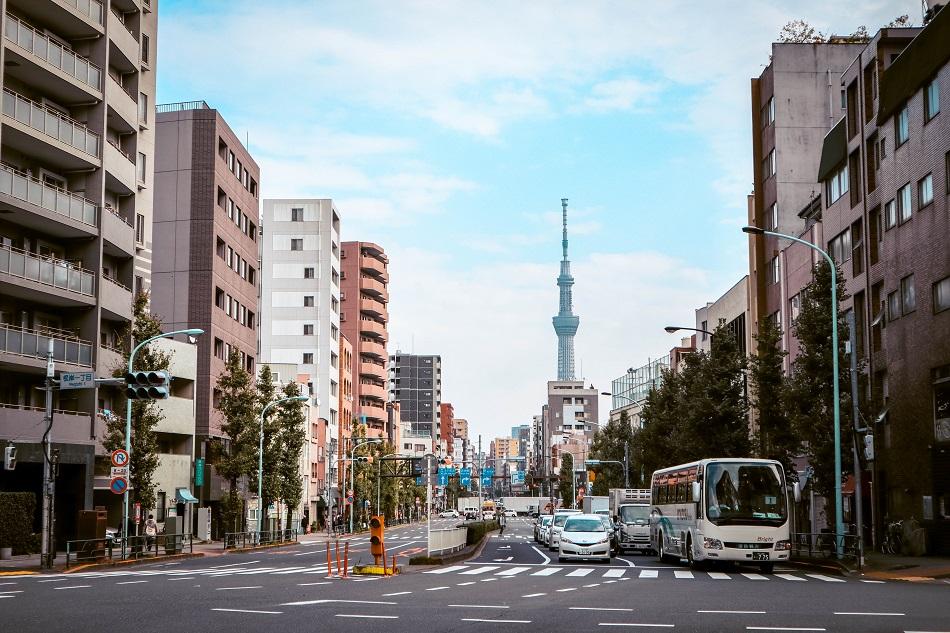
[721,510]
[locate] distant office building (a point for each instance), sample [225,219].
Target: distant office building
[447,421]
[731,312]
[629,391]
[415,382]
[571,416]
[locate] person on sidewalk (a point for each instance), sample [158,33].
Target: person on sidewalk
[501,523]
[151,529]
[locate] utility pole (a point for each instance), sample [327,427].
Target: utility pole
[858,497]
[626,465]
[479,475]
[48,546]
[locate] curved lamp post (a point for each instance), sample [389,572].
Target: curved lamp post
[670,329]
[839,516]
[128,423]
[260,458]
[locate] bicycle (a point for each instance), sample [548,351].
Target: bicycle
[893,541]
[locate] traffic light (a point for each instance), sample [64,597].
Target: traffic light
[376,528]
[147,385]
[363,459]
[9,457]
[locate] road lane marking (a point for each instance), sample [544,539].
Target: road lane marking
[131,582]
[397,593]
[1,597]
[74,587]
[734,612]
[311,584]
[579,573]
[489,579]
[534,595]
[466,584]
[864,613]
[250,562]
[54,580]
[877,582]
[436,588]
[755,576]
[512,571]
[790,577]
[363,615]
[599,609]
[681,573]
[665,626]
[542,554]
[596,584]
[825,578]
[446,570]
[7,583]
[249,611]
[187,578]
[478,606]
[649,573]
[291,570]
[614,573]
[781,628]
[547,571]
[479,570]
[10,591]
[237,588]
[567,589]
[496,621]
[330,600]
[718,575]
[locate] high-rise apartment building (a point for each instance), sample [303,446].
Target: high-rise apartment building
[571,418]
[206,231]
[347,400]
[447,421]
[76,167]
[300,302]
[364,295]
[415,382]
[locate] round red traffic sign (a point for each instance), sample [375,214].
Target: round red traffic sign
[119,485]
[120,458]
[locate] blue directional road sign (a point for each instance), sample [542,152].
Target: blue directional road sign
[517,478]
[465,477]
[487,474]
[444,473]
[420,481]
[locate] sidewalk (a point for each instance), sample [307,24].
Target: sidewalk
[888,567]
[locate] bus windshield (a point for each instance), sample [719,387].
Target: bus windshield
[635,514]
[744,494]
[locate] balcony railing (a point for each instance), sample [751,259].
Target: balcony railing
[118,148]
[90,8]
[118,283]
[35,343]
[121,19]
[118,81]
[50,122]
[50,272]
[35,191]
[116,213]
[52,52]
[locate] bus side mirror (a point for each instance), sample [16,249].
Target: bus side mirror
[696,491]
[797,492]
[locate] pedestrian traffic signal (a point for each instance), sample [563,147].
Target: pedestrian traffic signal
[376,528]
[9,457]
[148,385]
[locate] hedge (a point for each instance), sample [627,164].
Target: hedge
[478,529]
[16,522]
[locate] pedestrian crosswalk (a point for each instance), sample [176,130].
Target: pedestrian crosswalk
[623,573]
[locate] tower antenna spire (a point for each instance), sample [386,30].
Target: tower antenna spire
[566,322]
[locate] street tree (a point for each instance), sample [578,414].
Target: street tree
[775,437]
[236,458]
[266,393]
[291,436]
[810,399]
[146,414]
[609,443]
[566,481]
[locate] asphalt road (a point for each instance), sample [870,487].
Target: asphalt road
[512,585]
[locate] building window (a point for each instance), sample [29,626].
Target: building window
[925,191]
[219,349]
[794,307]
[893,306]
[334,332]
[143,107]
[931,100]
[768,166]
[296,244]
[908,295]
[857,248]
[334,360]
[774,270]
[904,208]
[875,234]
[308,358]
[139,228]
[219,298]
[902,126]
[308,329]
[145,43]
[771,218]
[296,215]
[140,168]
[836,186]
[308,301]
[768,113]
[230,160]
[840,247]
[308,273]
[883,153]
[890,214]
[942,295]
[334,304]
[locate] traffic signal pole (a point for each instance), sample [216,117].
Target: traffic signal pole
[47,547]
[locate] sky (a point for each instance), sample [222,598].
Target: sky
[448,132]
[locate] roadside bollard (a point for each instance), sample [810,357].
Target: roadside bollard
[329,565]
[338,557]
[346,558]
[394,565]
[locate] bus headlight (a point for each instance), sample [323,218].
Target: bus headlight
[712,543]
[783,545]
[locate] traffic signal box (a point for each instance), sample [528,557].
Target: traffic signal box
[147,385]
[376,529]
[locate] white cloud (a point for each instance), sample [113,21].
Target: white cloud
[619,94]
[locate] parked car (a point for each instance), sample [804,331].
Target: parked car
[583,536]
[510,513]
[540,528]
[554,531]
[614,533]
[449,514]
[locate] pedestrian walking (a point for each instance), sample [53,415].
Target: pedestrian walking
[151,529]
[501,523]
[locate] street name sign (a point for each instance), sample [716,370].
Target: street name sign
[79,380]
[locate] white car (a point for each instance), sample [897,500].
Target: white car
[510,513]
[554,530]
[488,515]
[449,514]
[583,536]
[541,528]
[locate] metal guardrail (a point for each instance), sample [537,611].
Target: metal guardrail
[107,549]
[241,540]
[447,540]
[822,545]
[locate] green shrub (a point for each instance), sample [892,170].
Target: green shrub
[16,521]
[425,560]
[478,529]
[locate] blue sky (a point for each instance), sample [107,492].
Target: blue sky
[448,132]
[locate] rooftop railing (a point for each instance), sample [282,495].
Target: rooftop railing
[50,122]
[59,201]
[181,106]
[47,271]
[40,45]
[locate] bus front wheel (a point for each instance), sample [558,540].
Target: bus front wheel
[767,568]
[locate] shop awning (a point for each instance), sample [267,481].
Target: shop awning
[183,495]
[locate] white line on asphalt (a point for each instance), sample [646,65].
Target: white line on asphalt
[249,611]
[825,578]
[74,587]
[614,573]
[1,597]
[734,612]
[755,576]
[567,589]
[781,628]
[11,591]
[665,626]
[478,606]
[599,609]
[436,588]
[479,570]
[311,584]
[53,580]
[877,582]
[236,588]
[489,579]
[465,584]
[610,582]
[398,593]
[374,617]
[547,571]
[718,575]
[789,577]
[131,582]
[497,621]
[534,595]
[864,613]
[682,573]
[512,571]
[328,601]
[290,570]
[7,583]
[596,584]
[542,554]
[578,573]
[649,573]
[629,562]
[446,570]
[186,578]
[249,562]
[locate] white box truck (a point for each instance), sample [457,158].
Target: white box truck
[630,510]
[596,504]
[524,506]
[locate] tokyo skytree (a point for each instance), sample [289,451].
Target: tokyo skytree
[565,323]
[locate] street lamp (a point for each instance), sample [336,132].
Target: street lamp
[670,329]
[128,423]
[260,459]
[356,445]
[839,516]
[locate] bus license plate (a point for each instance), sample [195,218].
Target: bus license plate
[585,552]
[760,555]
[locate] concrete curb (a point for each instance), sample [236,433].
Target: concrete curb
[127,563]
[256,548]
[470,551]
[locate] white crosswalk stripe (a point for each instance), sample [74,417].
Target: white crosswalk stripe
[514,571]
[614,573]
[578,573]
[825,578]
[680,573]
[479,570]
[755,576]
[648,573]
[446,570]
[547,571]
[789,577]
[718,575]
